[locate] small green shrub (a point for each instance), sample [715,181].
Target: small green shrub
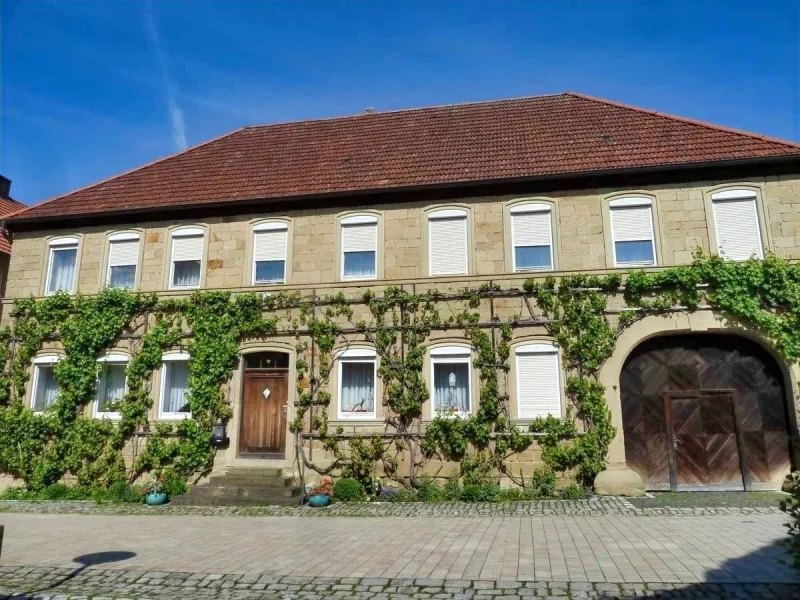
[473,492]
[18,493]
[573,492]
[514,494]
[347,489]
[120,492]
[428,491]
[543,483]
[452,490]
[56,491]
[174,484]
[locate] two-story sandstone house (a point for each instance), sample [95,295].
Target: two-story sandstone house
[453,197]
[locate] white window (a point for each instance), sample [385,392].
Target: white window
[63,256]
[357,374]
[110,385]
[270,242]
[451,381]
[123,256]
[359,247]
[538,381]
[632,232]
[532,237]
[736,224]
[174,402]
[447,242]
[45,387]
[187,258]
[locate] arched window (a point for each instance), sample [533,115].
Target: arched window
[736,224]
[62,264]
[538,374]
[45,386]
[532,236]
[448,252]
[632,232]
[123,260]
[174,402]
[270,248]
[357,376]
[359,242]
[111,385]
[187,254]
[451,381]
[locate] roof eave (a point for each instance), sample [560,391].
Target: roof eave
[9,222]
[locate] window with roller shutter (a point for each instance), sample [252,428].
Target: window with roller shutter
[123,258]
[447,242]
[632,232]
[532,237]
[359,239]
[538,373]
[187,257]
[270,244]
[737,226]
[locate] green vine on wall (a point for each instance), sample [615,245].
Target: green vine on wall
[211,326]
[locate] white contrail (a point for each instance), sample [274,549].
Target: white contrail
[175,112]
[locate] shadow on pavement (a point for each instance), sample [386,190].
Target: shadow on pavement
[766,573]
[85,561]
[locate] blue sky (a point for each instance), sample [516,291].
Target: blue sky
[91,89]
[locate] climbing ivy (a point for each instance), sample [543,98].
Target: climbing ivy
[399,324]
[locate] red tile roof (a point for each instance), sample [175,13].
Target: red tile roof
[8,206]
[486,141]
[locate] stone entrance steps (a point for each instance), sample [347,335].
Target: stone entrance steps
[244,486]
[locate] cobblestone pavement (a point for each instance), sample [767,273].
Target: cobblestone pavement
[606,506]
[65,584]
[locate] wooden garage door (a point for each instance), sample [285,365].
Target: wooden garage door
[730,374]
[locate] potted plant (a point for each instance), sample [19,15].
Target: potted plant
[154,493]
[320,494]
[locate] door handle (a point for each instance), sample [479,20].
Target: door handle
[675,441]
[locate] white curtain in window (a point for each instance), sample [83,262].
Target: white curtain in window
[358,386]
[62,269]
[111,386]
[451,387]
[46,388]
[176,387]
[187,257]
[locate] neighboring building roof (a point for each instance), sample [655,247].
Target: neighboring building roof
[8,206]
[564,134]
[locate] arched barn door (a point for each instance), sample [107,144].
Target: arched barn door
[704,412]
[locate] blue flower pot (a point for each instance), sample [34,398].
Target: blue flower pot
[318,500]
[156,499]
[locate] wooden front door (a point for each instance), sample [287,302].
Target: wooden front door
[703,441]
[263,423]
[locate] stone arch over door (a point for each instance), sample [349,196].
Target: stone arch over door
[705,411]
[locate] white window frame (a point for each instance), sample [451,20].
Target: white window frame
[186,232]
[124,237]
[733,195]
[61,243]
[632,202]
[448,213]
[168,358]
[358,355]
[115,359]
[527,208]
[358,220]
[542,347]
[50,359]
[449,355]
[270,226]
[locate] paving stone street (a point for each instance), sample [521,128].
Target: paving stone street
[735,553]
